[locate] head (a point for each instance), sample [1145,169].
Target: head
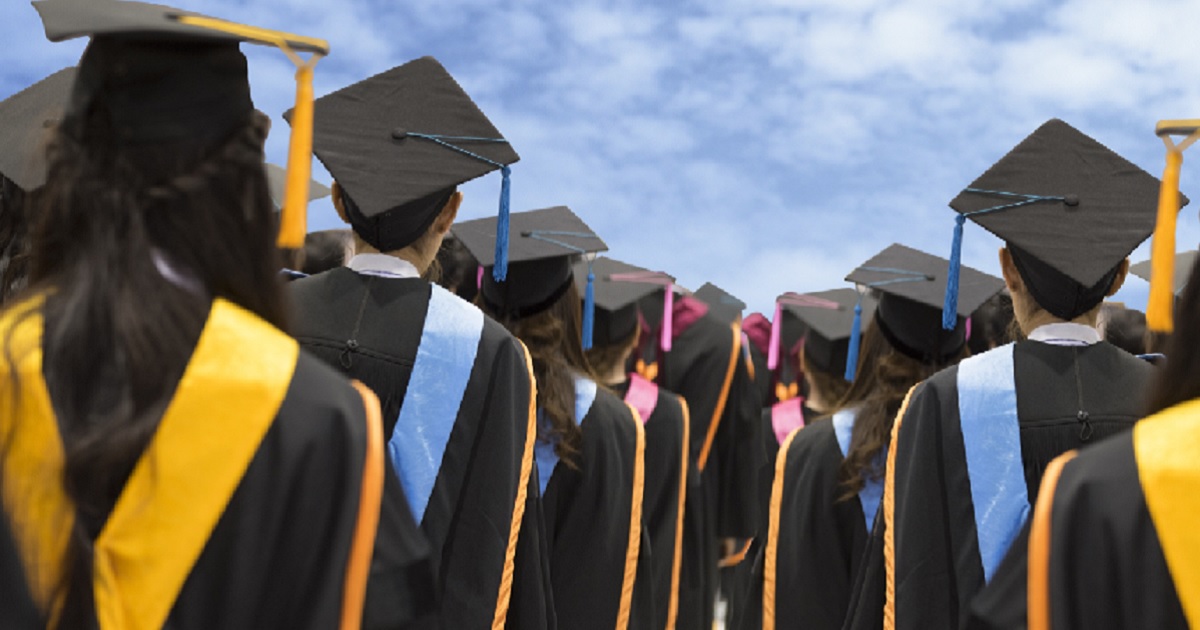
[553,337]
[459,271]
[991,324]
[147,216]
[610,361]
[1179,380]
[884,376]
[1043,295]
[826,384]
[412,231]
[325,250]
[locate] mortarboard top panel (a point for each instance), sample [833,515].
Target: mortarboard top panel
[909,273]
[64,19]
[1183,269]
[1081,208]
[535,235]
[722,304]
[27,119]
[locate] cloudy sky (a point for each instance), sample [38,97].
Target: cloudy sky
[765,145]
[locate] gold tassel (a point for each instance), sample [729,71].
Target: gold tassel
[293,219]
[1160,308]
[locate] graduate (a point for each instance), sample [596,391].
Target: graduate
[969,451]
[1118,519]
[591,444]
[688,350]
[26,120]
[456,387]
[171,457]
[829,474]
[617,287]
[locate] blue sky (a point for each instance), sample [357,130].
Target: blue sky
[765,145]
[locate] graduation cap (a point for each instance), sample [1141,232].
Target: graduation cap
[544,245]
[1069,209]
[830,319]
[617,288]
[163,76]
[911,285]
[723,305]
[1180,271]
[398,144]
[1160,308]
[26,120]
[277,184]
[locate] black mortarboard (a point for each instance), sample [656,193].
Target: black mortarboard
[721,304]
[398,144]
[277,183]
[911,286]
[1182,269]
[26,120]
[161,76]
[1070,210]
[830,319]
[543,247]
[618,286]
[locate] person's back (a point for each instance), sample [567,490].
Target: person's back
[969,451]
[174,459]
[456,388]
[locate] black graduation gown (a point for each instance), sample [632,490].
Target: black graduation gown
[370,328]
[278,553]
[706,366]
[589,509]
[937,563]
[1107,568]
[666,458]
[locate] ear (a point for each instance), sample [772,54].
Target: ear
[338,204]
[445,219]
[1012,277]
[1119,280]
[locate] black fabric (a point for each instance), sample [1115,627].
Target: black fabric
[612,327]
[616,299]
[398,227]
[820,540]
[938,570]
[1107,569]
[1058,293]
[531,287]
[726,307]
[587,511]
[470,508]
[721,500]
[665,452]
[20,613]
[152,93]
[27,119]
[827,331]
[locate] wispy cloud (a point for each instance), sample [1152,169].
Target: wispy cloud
[766,145]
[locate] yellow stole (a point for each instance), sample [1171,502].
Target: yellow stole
[179,487]
[1165,446]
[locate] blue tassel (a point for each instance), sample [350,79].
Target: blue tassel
[950,307]
[855,338]
[500,269]
[589,309]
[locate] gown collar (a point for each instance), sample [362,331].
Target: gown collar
[383,265]
[1066,334]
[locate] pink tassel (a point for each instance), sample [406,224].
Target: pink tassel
[668,315]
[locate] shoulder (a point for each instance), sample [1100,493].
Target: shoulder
[609,416]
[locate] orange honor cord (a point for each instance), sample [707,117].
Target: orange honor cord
[503,599]
[889,518]
[633,548]
[358,566]
[673,605]
[1039,546]
[770,562]
[1159,309]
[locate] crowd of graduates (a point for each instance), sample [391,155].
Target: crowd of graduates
[209,419]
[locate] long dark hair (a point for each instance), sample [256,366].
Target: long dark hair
[882,380]
[1179,379]
[128,249]
[553,338]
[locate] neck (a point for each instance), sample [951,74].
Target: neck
[816,401]
[615,375]
[408,254]
[1042,318]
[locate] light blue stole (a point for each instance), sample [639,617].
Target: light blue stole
[445,359]
[872,490]
[987,409]
[543,450]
